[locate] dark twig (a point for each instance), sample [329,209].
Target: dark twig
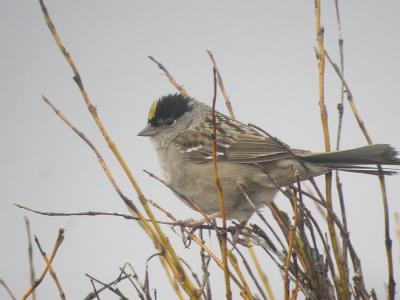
[91,214]
[340,108]
[97,292]
[108,286]
[10,293]
[137,286]
[259,214]
[252,276]
[124,216]
[388,240]
[205,287]
[30,255]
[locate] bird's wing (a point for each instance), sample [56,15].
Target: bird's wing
[244,146]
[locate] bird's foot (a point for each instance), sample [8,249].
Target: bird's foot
[197,223]
[236,235]
[194,225]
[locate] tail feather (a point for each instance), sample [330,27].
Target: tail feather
[354,160]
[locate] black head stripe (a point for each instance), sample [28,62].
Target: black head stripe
[170,106]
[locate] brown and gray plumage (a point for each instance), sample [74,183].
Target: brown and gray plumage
[181,129]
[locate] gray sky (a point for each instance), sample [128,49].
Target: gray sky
[265,53]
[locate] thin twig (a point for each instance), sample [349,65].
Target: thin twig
[246,293]
[137,286]
[205,262]
[97,292]
[51,269]
[340,107]
[249,270]
[10,293]
[58,243]
[344,282]
[30,255]
[292,237]
[155,232]
[92,214]
[109,286]
[171,79]
[124,216]
[94,289]
[388,240]
[259,214]
[350,98]
[194,274]
[222,237]
[221,86]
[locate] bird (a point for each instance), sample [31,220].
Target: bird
[252,166]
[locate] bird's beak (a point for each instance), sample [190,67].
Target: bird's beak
[148,131]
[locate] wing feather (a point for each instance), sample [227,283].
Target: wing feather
[245,146]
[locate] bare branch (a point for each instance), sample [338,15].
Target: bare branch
[60,239]
[10,293]
[221,86]
[30,255]
[171,79]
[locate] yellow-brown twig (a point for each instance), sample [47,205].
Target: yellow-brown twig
[51,269]
[397,219]
[172,258]
[172,280]
[292,238]
[58,243]
[222,237]
[221,86]
[131,207]
[245,292]
[344,286]
[296,290]
[350,98]
[171,79]
[261,273]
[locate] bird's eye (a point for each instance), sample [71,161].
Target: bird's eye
[170,122]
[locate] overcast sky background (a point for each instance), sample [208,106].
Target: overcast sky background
[265,52]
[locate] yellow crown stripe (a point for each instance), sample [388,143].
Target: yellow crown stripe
[153,110]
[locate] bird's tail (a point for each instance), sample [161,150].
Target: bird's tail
[358,159]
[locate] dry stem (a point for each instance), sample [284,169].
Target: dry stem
[222,237]
[52,272]
[388,240]
[30,255]
[10,293]
[158,236]
[171,79]
[344,285]
[58,243]
[221,86]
